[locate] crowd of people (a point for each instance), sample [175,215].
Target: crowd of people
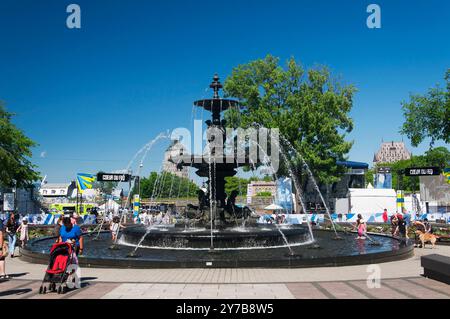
[149,218]
[9,230]
[274,218]
[400,224]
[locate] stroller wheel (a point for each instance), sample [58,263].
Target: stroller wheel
[52,287]
[61,290]
[44,290]
[41,290]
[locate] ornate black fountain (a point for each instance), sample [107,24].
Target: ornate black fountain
[216,220]
[215,204]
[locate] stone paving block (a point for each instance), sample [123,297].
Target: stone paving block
[384,292]
[305,291]
[341,290]
[413,289]
[95,291]
[430,283]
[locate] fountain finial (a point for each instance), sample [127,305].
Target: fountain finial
[216,86]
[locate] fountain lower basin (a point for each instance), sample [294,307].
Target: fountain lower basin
[348,251]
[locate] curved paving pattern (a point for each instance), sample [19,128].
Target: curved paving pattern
[400,279]
[409,288]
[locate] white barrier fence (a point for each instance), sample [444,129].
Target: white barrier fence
[351,218]
[48,219]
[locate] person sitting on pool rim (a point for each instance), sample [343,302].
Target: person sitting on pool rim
[72,234]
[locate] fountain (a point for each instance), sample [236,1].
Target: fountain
[215,232]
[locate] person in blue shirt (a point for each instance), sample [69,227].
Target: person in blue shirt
[407,218]
[71,233]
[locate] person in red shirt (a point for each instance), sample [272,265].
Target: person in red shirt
[385,216]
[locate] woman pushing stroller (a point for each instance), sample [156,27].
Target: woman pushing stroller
[71,233]
[63,255]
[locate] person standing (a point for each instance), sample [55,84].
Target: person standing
[385,216]
[401,227]
[23,229]
[407,219]
[72,234]
[3,253]
[115,228]
[11,230]
[58,228]
[428,228]
[361,227]
[394,224]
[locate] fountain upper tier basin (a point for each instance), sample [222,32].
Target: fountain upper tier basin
[226,238]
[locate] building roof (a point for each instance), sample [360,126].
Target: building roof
[354,165]
[390,152]
[55,185]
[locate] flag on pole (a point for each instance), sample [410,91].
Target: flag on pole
[447,174]
[84,181]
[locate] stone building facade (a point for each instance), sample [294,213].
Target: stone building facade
[391,152]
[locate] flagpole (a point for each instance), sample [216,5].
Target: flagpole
[76,206]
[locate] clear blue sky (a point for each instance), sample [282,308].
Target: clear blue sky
[92,97]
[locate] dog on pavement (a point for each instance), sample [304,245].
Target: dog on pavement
[426,237]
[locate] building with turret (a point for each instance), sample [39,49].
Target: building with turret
[174,150]
[391,152]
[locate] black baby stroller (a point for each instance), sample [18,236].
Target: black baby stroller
[61,257]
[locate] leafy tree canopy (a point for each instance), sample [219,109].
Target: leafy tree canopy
[167,185]
[310,108]
[15,151]
[234,183]
[428,116]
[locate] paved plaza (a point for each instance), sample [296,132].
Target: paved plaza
[400,279]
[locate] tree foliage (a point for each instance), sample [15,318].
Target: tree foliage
[234,183]
[310,108]
[428,116]
[15,151]
[167,185]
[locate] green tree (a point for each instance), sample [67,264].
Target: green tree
[105,187]
[310,108]
[428,116]
[233,183]
[15,151]
[167,185]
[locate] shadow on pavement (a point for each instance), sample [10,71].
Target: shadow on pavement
[17,292]
[18,274]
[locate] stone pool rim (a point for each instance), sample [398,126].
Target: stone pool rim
[401,253]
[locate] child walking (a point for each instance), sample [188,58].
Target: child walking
[23,229]
[361,227]
[115,228]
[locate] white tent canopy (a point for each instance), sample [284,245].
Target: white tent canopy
[372,200]
[110,205]
[273,207]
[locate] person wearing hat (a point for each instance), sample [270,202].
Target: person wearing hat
[23,229]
